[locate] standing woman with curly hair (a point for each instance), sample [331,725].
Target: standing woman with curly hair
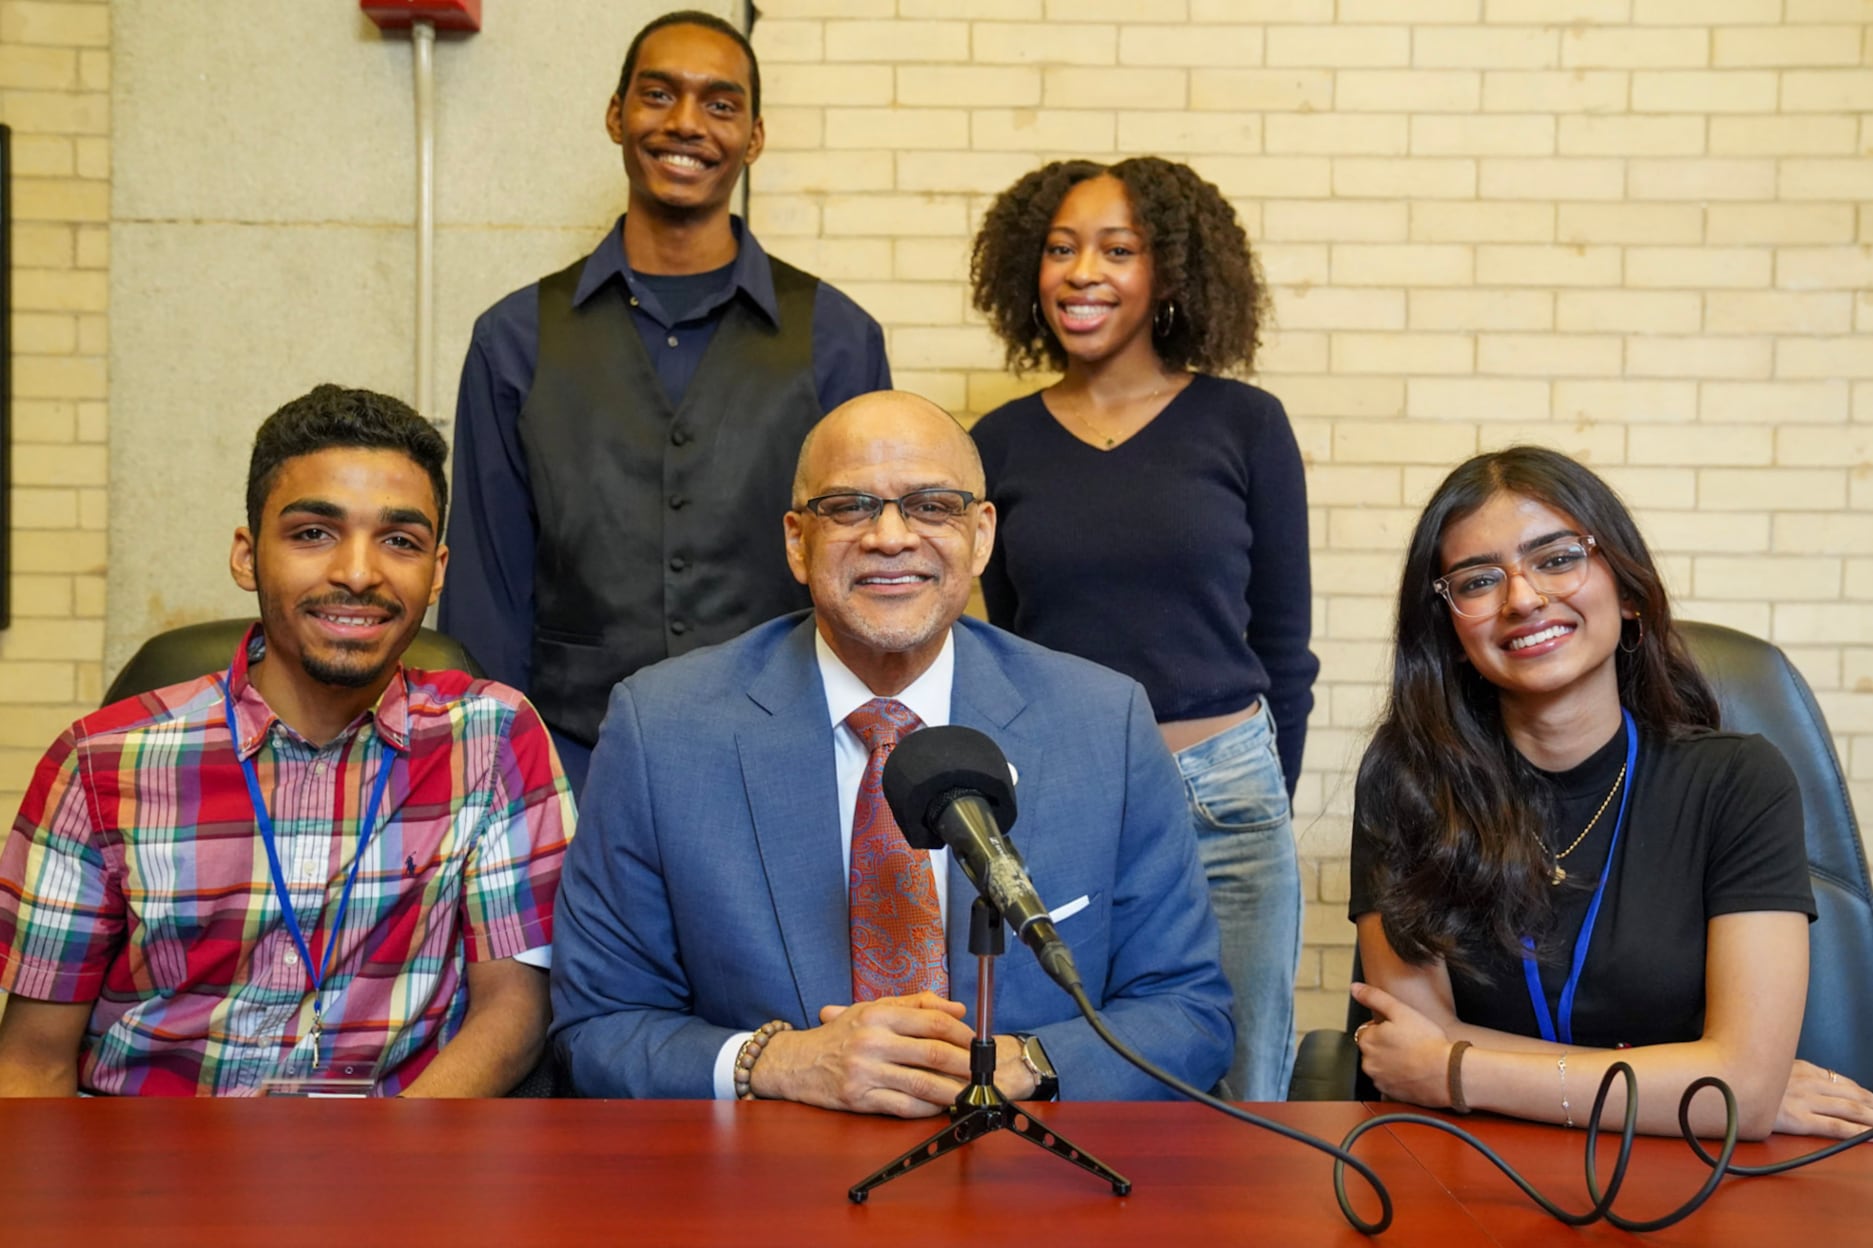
[1154,520]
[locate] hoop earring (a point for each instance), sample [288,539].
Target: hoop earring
[1034,311]
[1164,319]
[1637,642]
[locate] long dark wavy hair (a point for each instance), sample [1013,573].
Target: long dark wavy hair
[1456,808]
[1200,259]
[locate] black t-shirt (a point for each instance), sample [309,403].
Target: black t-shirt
[1714,826]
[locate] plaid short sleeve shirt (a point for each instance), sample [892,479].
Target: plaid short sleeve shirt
[135,876]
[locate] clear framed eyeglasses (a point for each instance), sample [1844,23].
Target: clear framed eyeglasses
[1553,571]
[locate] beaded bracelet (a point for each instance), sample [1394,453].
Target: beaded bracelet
[750,1053]
[1567,1110]
[1455,1077]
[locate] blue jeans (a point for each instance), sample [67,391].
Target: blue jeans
[1245,837]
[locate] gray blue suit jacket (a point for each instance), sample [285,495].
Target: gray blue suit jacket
[704,893]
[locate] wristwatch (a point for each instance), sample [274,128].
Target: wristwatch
[1034,1057]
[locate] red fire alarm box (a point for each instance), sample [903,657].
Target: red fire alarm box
[463,15]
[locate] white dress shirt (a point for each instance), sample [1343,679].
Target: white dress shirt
[928,697]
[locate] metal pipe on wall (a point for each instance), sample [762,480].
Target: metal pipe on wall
[422,49]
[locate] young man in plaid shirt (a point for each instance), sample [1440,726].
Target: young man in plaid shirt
[414,821]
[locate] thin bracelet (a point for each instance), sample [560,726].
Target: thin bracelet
[1567,1110]
[751,1050]
[1454,1078]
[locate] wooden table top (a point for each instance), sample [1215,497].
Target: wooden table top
[516,1172]
[512,1172]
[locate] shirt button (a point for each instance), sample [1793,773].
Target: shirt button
[679,437]
[678,563]
[291,958]
[679,627]
[671,340]
[677,502]
[634,301]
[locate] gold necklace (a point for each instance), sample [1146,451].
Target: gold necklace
[1108,441]
[1557,872]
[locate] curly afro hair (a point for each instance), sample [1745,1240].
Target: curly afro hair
[1199,252]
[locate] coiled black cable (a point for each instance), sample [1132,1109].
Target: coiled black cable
[1774,1167]
[1602,1206]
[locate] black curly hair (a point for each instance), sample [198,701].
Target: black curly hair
[332,416]
[1200,256]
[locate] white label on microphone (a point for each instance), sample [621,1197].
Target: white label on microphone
[1071,908]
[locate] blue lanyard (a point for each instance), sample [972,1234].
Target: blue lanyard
[265,823]
[1531,970]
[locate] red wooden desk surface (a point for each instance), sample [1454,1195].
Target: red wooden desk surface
[404,1173]
[1826,1203]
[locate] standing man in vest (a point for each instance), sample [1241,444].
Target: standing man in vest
[627,427]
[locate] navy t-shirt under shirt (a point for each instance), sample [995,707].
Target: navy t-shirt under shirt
[1178,557]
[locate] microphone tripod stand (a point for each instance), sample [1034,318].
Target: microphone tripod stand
[980,1108]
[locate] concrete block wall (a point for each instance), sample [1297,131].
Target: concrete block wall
[1640,231]
[261,223]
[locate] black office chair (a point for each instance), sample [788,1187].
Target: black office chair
[1759,691]
[198,649]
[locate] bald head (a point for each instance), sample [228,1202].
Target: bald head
[862,431]
[887,587]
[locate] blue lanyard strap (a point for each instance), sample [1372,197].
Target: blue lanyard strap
[1531,970]
[264,822]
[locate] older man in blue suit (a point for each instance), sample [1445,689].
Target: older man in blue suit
[711,904]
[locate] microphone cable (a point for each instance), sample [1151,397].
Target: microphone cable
[1602,1206]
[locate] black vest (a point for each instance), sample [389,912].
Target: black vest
[659,530]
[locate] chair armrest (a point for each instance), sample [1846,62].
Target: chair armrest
[1326,1068]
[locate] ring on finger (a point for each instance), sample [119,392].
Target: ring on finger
[1357,1031]
[1832,1077]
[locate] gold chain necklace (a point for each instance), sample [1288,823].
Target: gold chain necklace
[1107,442]
[1557,872]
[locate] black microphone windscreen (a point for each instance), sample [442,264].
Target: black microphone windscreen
[932,766]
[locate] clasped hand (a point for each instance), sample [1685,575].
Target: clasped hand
[1405,1054]
[905,1056]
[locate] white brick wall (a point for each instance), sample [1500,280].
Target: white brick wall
[1638,230]
[55,94]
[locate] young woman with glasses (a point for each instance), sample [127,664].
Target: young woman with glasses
[1559,859]
[1154,519]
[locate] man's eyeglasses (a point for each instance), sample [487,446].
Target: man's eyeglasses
[926,511]
[1553,571]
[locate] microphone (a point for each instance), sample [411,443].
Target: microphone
[951,786]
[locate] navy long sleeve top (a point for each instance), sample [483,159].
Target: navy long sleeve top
[1178,557]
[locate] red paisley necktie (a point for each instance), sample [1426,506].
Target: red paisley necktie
[897,927]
